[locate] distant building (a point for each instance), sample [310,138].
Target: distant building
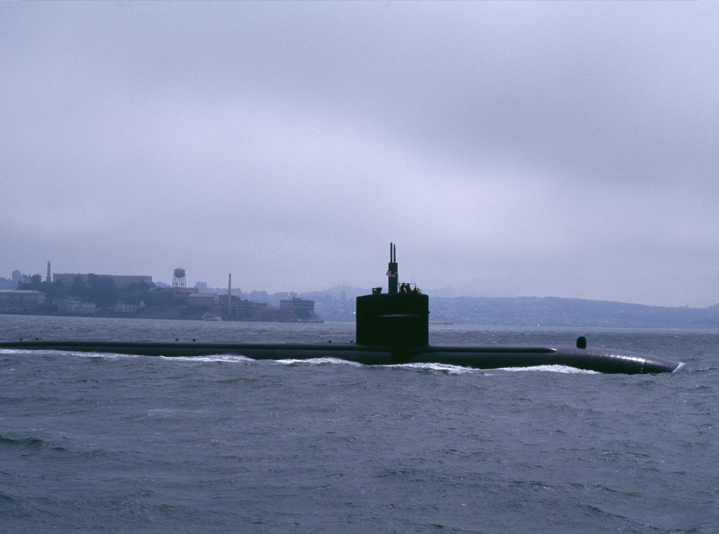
[121,281]
[207,300]
[74,305]
[298,304]
[20,300]
[239,305]
[128,308]
[6,283]
[177,293]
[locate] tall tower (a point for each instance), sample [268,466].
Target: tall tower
[178,279]
[392,270]
[48,279]
[229,294]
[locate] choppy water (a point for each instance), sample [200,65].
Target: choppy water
[111,443]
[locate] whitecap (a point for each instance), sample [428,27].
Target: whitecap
[318,361]
[225,358]
[80,354]
[563,369]
[450,369]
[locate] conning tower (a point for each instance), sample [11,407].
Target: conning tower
[398,319]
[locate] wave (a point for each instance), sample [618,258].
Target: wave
[99,355]
[24,443]
[319,361]
[224,358]
[681,366]
[445,368]
[78,354]
[32,443]
[562,369]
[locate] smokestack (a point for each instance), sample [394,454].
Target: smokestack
[48,279]
[229,294]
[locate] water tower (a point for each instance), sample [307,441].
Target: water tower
[178,279]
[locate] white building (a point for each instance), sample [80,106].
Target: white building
[18,299]
[128,308]
[74,305]
[206,300]
[298,304]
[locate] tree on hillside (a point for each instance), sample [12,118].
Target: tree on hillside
[102,291]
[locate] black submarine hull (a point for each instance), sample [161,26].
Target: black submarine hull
[599,359]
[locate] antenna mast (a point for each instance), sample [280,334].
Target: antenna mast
[392,270]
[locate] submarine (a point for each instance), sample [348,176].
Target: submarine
[392,329]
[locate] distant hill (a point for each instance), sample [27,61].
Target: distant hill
[553,311]
[336,293]
[531,311]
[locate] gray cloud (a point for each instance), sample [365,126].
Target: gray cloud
[563,149]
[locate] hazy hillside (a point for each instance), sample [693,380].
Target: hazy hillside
[529,311]
[338,304]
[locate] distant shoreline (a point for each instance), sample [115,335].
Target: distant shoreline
[525,312]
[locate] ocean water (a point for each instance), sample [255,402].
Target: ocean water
[112,443]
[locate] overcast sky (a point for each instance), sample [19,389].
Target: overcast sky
[508,149]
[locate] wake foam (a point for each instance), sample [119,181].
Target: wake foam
[562,369]
[442,367]
[681,366]
[223,358]
[319,361]
[77,354]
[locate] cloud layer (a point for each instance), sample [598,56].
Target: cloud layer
[536,149]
